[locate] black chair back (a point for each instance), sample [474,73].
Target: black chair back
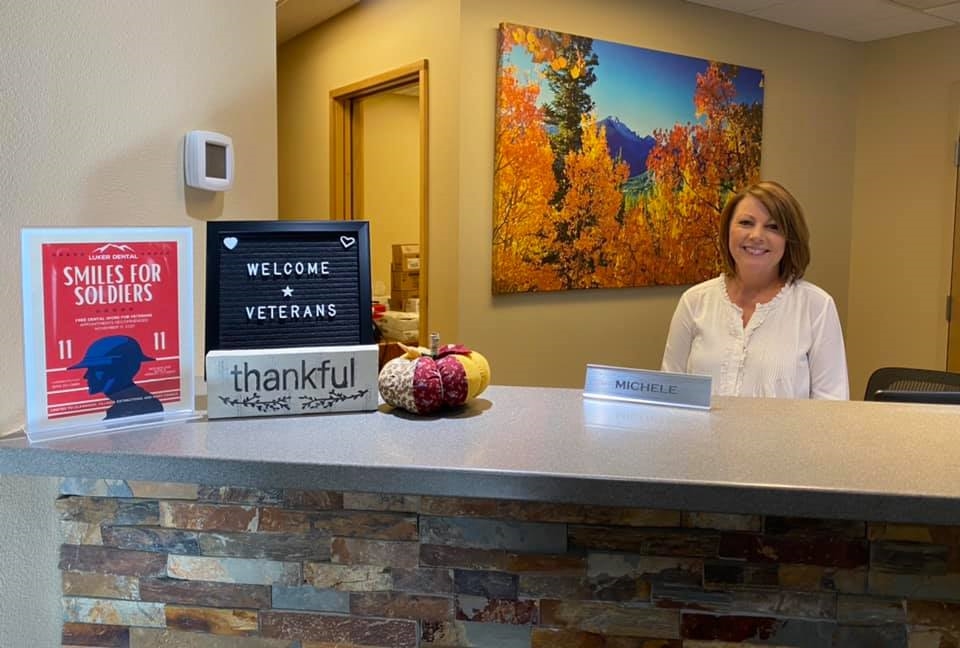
[904,379]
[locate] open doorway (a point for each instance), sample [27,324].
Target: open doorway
[362,188]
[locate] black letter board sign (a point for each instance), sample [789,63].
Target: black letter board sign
[281,284]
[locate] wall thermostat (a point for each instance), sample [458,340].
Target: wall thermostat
[208,160]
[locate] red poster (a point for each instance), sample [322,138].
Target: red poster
[111,314]
[107,328]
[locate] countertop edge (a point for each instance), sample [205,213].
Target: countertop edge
[552,488]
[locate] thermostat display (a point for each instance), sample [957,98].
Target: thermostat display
[216,161]
[208,160]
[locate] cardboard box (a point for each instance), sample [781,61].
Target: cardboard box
[406,256]
[399,297]
[400,327]
[410,264]
[413,265]
[401,250]
[405,280]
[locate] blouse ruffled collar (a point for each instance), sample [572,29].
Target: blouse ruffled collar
[765,306]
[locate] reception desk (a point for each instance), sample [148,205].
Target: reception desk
[532,517]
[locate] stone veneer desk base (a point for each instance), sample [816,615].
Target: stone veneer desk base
[532,518]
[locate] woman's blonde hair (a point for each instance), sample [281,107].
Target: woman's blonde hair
[786,213]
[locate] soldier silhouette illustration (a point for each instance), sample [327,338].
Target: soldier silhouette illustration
[111,363]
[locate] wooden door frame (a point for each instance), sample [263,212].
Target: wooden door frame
[953,303]
[952,361]
[345,176]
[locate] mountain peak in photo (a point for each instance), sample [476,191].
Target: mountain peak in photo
[624,142]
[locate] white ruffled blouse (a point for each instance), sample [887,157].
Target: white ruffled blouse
[792,347]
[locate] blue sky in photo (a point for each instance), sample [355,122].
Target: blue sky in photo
[646,89]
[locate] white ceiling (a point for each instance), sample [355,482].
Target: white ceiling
[856,20]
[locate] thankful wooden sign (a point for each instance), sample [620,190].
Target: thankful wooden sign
[284,284]
[304,380]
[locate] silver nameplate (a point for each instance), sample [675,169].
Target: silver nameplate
[641,386]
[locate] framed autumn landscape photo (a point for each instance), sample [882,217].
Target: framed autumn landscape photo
[612,162]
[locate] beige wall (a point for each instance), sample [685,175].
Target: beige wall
[861,133]
[96,98]
[369,39]
[391,177]
[907,124]
[808,144]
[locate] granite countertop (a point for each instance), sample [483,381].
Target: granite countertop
[857,460]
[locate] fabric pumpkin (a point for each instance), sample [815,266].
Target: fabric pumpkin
[422,384]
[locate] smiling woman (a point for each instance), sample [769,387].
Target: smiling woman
[759,329]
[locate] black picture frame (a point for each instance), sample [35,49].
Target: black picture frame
[249,275]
